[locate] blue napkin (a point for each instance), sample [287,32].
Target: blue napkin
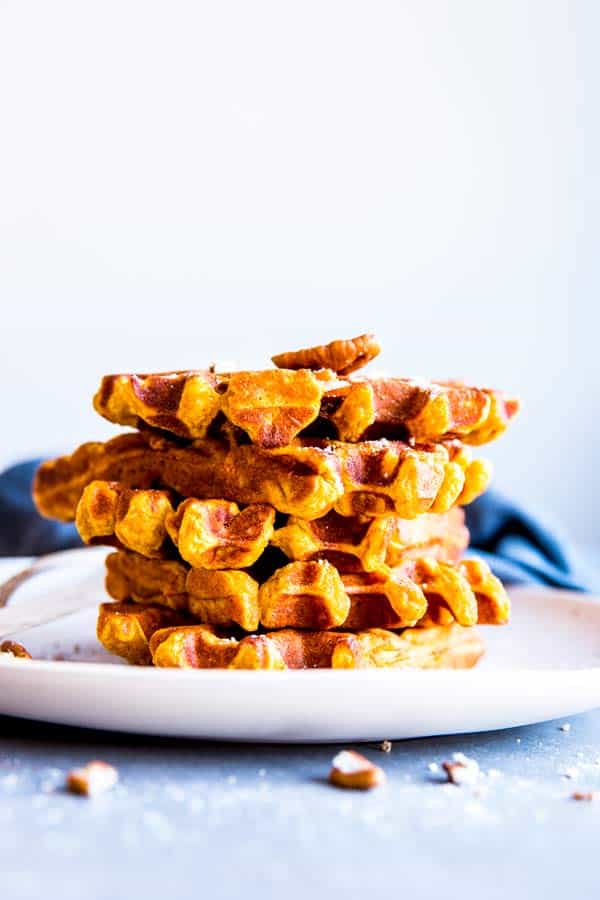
[23,532]
[519,546]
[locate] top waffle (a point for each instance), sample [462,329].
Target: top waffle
[312,394]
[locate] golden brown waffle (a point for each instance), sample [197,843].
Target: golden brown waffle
[425,411]
[110,513]
[126,628]
[315,595]
[383,477]
[220,597]
[123,629]
[308,479]
[211,534]
[215,534]
[275,406]
[305,479]
[272,406]
[434,648]
[493,603]
[373,545]
[228,597]
[130,576]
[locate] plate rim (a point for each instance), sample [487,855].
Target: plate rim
[70,666]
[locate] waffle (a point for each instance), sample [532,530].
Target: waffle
[373,545]
[315,594]
[275,406]
[308,479]
[211,534]
[423,411]
[123,628]
[128,633]
[109,513]
[130,576]
[305,480]
[215,534]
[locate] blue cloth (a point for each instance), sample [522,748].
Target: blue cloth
[23,532]
[523,548]
[520,547]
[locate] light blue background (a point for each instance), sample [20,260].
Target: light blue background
[185,182]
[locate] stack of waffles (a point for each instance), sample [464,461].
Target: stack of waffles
[297,517]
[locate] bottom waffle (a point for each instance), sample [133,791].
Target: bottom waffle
[143,633]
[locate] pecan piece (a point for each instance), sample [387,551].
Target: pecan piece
[94,778]
[342,357]
[584,795]
[15,649]
[462,769]
[352,770]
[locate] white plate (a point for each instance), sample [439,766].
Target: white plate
[545,664]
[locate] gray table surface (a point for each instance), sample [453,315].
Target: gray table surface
[215,820]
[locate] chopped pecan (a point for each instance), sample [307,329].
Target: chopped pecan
[352,770]
[15,649]
[461,769]
[584,795]
[95,777]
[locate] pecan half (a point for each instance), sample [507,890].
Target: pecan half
[342,357]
